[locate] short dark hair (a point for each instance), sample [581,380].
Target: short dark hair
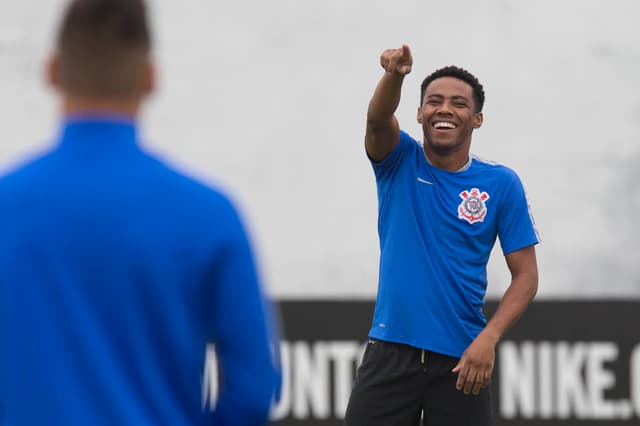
[102,46]
[460,74]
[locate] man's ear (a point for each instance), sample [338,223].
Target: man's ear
[148,78]
[477,120]
[52,72]
[419,116]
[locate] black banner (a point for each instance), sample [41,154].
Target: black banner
[563,364]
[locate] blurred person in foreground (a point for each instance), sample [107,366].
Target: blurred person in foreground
[115,270]
[431,351]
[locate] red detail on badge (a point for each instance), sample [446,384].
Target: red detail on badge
[473,207]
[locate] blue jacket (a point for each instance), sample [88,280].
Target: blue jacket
[115,273]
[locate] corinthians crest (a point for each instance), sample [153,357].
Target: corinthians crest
[473,208]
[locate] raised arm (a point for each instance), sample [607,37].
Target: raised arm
[383,131]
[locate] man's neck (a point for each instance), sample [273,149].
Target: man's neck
[76,105]
[450,161]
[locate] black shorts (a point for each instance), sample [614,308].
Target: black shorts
[397,385]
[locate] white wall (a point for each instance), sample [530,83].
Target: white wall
[270,98]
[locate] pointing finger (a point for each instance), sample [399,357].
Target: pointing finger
[406,52]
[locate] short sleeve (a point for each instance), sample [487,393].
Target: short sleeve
[387,167]
[516,227]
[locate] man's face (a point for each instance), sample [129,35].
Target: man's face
[448,115]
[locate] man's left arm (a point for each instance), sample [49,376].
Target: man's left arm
[476,364]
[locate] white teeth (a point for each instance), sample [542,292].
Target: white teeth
[444,124]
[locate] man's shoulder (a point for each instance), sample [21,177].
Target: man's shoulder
[26,168]
[189,185]
[408,146]
[406,149]
[408,140]
[496,169]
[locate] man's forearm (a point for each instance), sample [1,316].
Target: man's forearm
[385,100]
[513,304]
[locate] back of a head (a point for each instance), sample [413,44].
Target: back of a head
[103,47]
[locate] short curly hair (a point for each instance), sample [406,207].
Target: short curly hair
[460,74]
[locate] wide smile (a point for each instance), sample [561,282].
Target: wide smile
[444,125]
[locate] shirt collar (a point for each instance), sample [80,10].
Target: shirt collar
[461,169]
[96,131]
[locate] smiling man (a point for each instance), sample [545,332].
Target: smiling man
[431,351]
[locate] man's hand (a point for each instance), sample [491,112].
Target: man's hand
[476,365]
[397,61]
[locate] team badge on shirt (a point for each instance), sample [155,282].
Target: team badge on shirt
[473,207]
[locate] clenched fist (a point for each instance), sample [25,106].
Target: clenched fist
[397,60]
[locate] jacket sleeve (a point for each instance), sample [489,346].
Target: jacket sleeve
[247,373]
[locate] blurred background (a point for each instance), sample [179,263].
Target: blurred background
[268,100]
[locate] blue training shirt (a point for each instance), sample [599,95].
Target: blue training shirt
[115,272]
[437,229]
